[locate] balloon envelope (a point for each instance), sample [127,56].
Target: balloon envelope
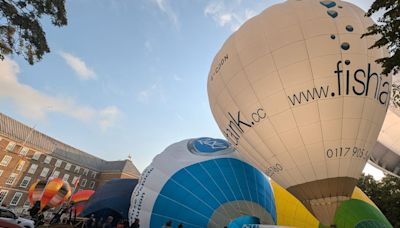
[35,192]
[298,92]
[56,192]
[79,200]
[202,183]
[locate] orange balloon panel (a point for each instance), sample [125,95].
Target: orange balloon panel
[79,200]
[36,190]
[55,193]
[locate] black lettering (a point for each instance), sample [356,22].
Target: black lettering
[368,80]
[238,122]
[359,81]
[384,93]
[338,71]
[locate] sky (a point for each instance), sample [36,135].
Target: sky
[126,77]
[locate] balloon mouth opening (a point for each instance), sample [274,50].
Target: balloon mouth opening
[209,146]
[244,220]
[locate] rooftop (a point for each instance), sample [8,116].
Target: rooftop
[19,132]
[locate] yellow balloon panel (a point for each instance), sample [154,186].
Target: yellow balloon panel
[291,212]
[299,94]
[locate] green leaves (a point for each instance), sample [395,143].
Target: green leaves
[389,29]
[22,32]
[385,194]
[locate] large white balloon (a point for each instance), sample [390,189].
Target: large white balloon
[386,154]
[298,92]
[202,183]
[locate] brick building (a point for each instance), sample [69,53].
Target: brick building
[27,155]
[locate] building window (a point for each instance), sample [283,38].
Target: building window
[77,169]
[56,174]
[92,183]
[47,160]
[24,151]
[83,182]
[6,160]
[16,198]
[32,169]
[10,180]
[67,166]
[25,182]
[58,163]
[66,177]
[10,147]
[3,195]
[36,155]
[74,180]
[20,165]
[27,204]
[44,172]
[85,172]
[1,172]
[94,175]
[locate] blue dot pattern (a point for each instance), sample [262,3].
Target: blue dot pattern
[192,194]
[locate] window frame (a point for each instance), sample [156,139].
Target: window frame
[8,162]
[28,178]
[12,199]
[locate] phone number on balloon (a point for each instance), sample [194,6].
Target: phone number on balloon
[356,152]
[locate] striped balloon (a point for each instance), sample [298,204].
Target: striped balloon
[80,199]
[35,191]
[56,192]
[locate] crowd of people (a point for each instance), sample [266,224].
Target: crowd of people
[110,223]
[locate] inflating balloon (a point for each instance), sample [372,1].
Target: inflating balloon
[298,92]
[292,213]
[35,192]
[202,183]
[56,192]
[79,200]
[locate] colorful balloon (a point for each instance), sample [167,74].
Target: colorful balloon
[79,200]
[298,93]
[202,183]
[292,213]
[56,192]
[35,192]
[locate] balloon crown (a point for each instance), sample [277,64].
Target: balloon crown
[209,146]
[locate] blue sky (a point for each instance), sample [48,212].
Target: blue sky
[126,77]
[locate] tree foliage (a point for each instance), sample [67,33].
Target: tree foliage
[389,28]
[20,29]
[385,194]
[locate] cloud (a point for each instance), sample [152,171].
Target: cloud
[148,47]
[177,78]
[34,104]
[109,116]
[234,13]
[166,8]
[79,66]
[155,90]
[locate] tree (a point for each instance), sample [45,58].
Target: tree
[20,29]
[385,194]
[389,28]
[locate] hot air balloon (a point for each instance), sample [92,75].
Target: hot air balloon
[79,200]
[56,192]
[386,155]
[35,191]
[292,213]
[298,93]
[202,182]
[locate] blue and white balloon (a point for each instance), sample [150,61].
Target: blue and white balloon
[202,182]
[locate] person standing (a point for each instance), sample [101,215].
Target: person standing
[108,223]
[168,224]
